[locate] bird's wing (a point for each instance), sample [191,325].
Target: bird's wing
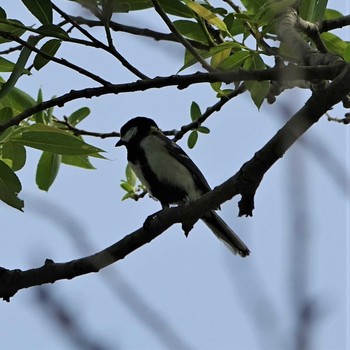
[184,159]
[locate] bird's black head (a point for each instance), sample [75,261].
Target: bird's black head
[136,129]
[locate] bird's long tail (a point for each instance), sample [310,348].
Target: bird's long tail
[224,233]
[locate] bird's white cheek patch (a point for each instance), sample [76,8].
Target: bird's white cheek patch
[129,134]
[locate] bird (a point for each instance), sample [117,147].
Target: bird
[169,174]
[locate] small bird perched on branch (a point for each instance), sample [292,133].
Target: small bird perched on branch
[170,175]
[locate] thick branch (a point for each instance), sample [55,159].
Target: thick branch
[183,81]
[320,102]
[330,24]
[11,281]
[287,32]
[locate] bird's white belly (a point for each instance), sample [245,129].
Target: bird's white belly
[168,169]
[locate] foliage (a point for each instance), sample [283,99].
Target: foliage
[222,38]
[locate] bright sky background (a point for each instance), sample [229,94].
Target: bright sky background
[178,293]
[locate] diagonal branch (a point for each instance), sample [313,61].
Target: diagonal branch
[61,61]
[181,39]
[101,45]
[210,110]
[319,103]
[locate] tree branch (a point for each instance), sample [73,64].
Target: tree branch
[244,182]
[181,39]
[183,81]
[209,111]
[99,44]
[319,103]
[77,131]
[330,24]
[307,55]
[117,27]
[61,61]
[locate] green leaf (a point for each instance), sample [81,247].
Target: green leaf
[49,139]
[203,129]
[130,176]
[50,48]
[332,14]
[127,187]
[79,115]
[312,10]
[258,89]
[5,115]
[195,111]
[39,116]
[190,60]
[334,43]
[10,186]
[191,30]
[53,30]
[47,170]
[129,5]
[254,5]
[128,195]
[11,26]
[78,161]
[19,68]
[15,153]
[41,9]
[6,65]
[320,9]
[192,139]
[236,60]
[176,8]
[219,57]
[216,86]
[2,13]
[234,25]
[346,54]
[17,99]
[206,14]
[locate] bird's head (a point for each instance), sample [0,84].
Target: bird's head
[135,130]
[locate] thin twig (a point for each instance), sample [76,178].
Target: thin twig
[99,44]
[60,61]
[181,39]
[75,25]
[158,36]
[11,49]
[209,111]
[77,131]
[345,120]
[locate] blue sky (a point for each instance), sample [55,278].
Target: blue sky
[176,292]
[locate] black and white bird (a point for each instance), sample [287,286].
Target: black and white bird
[170,175]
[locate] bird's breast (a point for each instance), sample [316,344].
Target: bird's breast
[172,178]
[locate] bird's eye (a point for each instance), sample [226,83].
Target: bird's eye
[129,134]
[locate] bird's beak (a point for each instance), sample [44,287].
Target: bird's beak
[119,143]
